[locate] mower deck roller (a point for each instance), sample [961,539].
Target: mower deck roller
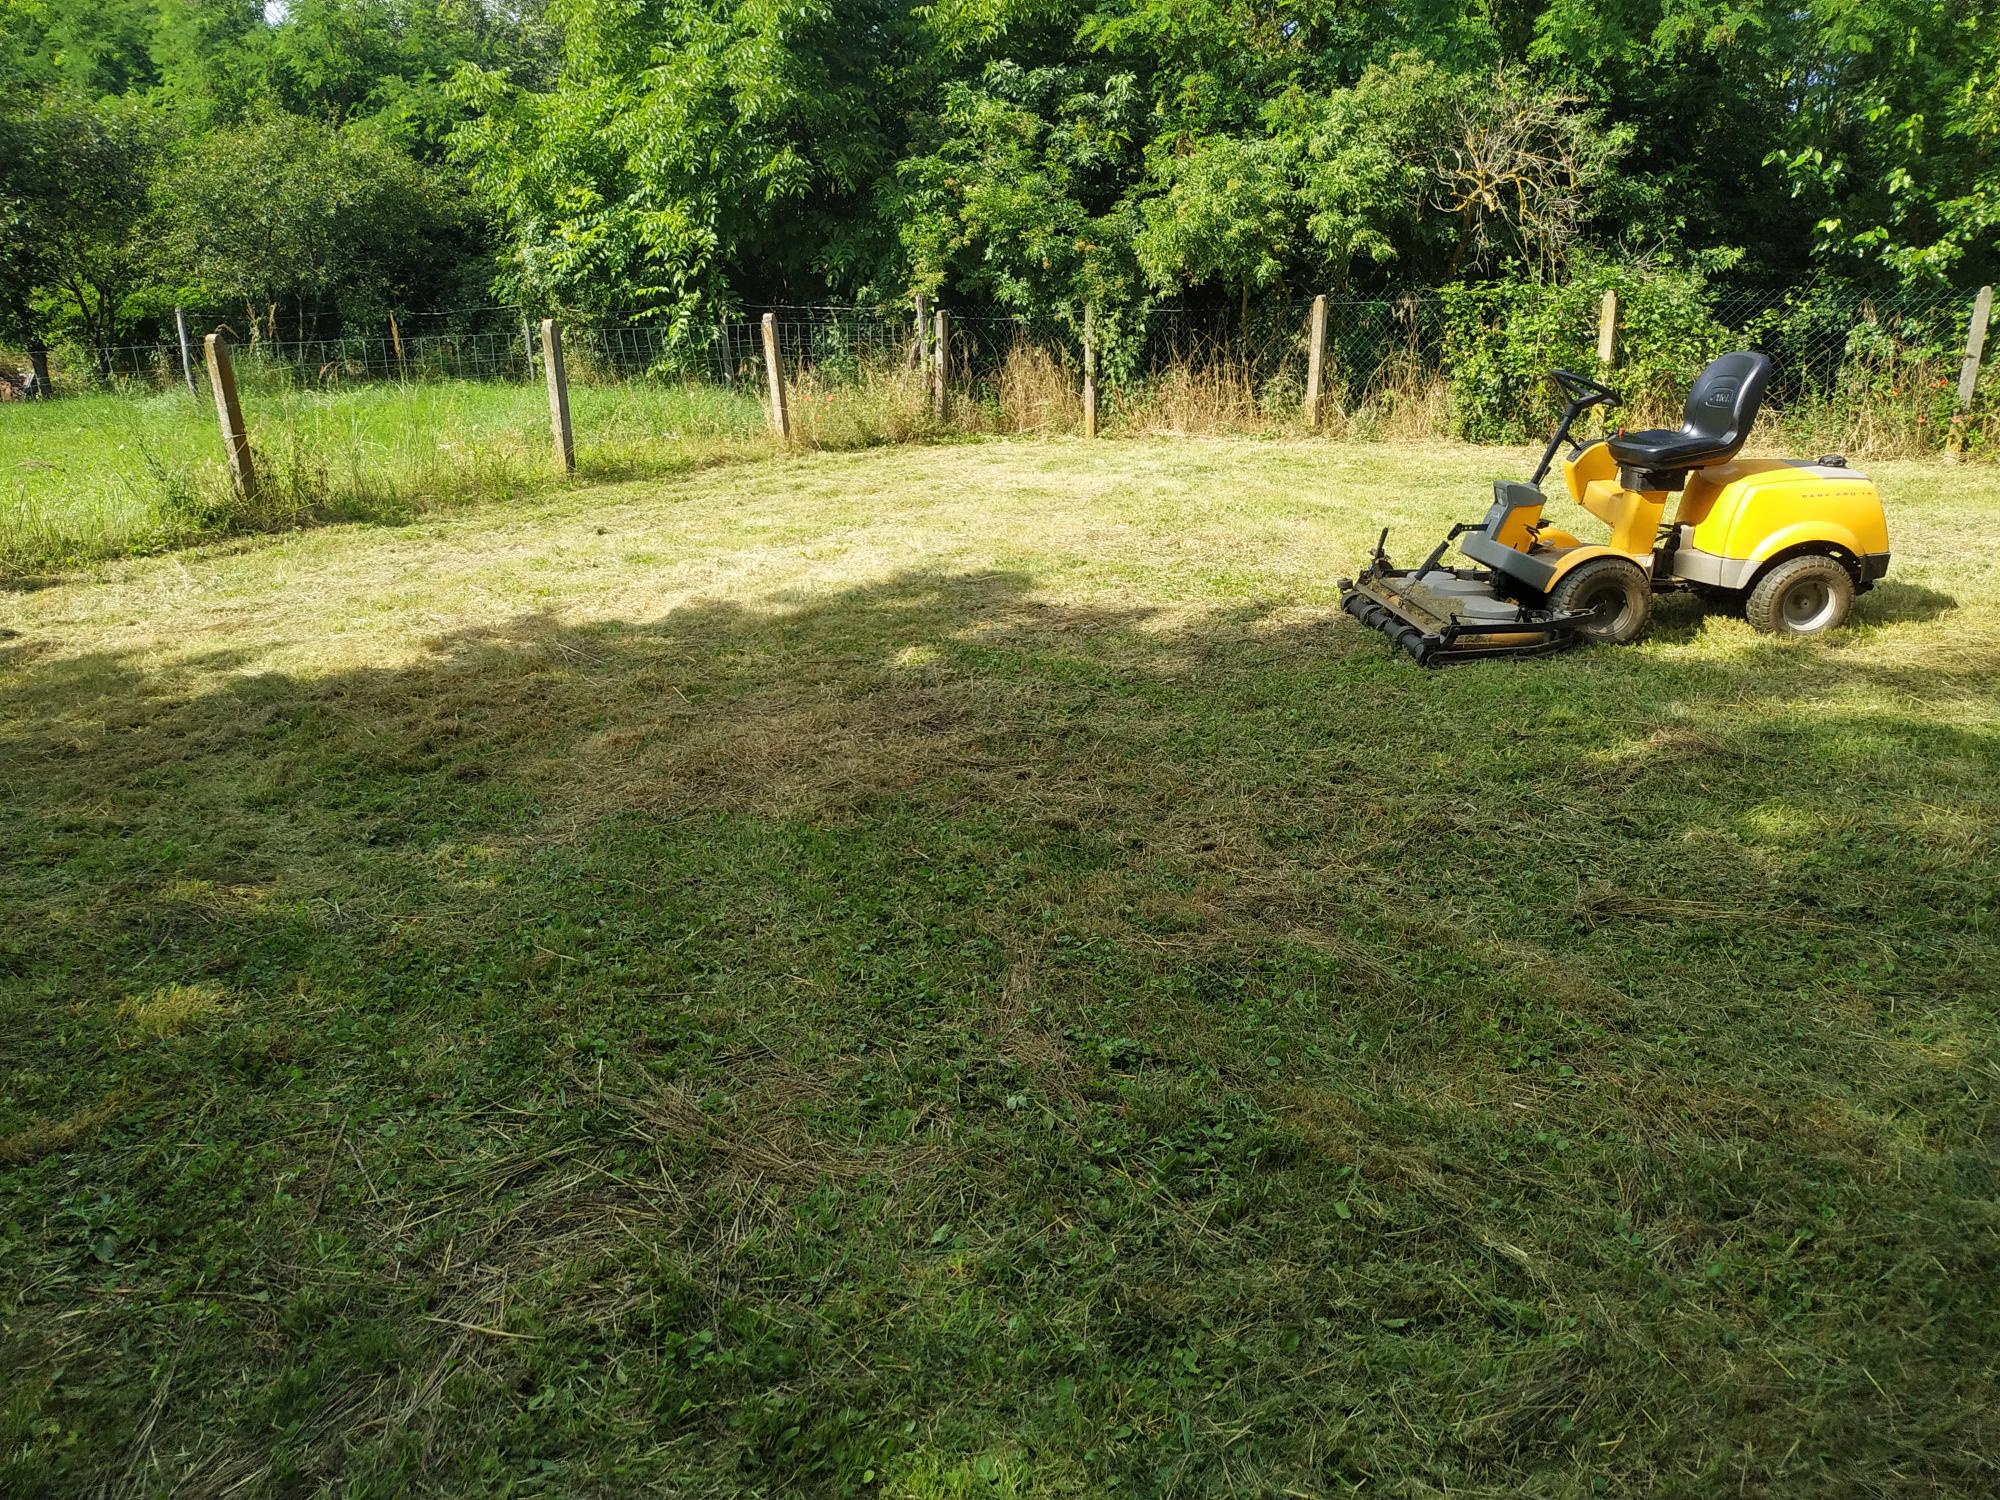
[1446,615]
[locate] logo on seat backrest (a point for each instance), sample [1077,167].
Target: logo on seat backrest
[1723,393]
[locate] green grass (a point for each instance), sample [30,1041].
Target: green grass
[96,476]
[956,972]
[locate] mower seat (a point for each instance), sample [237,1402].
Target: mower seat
[1714,423]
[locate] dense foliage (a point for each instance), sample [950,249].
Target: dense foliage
[317,162]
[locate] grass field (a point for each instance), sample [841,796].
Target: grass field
[120,474]
[953,972]
[90,477]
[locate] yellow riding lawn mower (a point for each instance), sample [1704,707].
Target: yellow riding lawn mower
[1788,541]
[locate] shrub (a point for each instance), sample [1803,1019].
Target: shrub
[1502,339]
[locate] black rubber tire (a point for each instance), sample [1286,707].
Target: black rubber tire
[1801,596]
[1618,592]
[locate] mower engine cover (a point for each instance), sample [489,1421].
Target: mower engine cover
[1736,516]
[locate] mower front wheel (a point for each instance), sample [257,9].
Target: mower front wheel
[1616,594]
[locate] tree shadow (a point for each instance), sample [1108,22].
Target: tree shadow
[28,583]
[1894,601]
[818,972]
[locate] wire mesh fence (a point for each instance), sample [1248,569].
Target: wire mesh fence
[1463,361]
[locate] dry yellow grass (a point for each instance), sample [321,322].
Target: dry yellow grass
[1037,392]
[1158,521]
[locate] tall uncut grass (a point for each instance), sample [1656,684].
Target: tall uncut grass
[99,475]
[105,474]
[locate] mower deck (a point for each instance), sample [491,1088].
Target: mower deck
[1446,615]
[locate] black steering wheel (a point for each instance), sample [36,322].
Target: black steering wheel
[1583,392]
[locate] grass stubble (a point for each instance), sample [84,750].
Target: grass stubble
[955,971]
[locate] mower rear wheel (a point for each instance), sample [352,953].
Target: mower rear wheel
[1615,593]
[1801,596]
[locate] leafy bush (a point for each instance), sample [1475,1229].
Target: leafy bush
[1501,340]
[1852,372]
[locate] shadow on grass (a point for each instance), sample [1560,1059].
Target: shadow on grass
[27,583]
[1681,618]
[932,1029]
[1894,602]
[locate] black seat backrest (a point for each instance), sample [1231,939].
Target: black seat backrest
[1725,399]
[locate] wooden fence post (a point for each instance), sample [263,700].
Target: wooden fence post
[38,366]
[1607,330]
[921,356]
[1315,361]
[552,365]
[1968,370]
[1089,371]
[396,339]
[229,414]
[941,368]
[774,376]
[187,353]
[528,343]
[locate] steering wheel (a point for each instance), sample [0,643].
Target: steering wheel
[1584,392]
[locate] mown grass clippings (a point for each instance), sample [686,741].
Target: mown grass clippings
[959,972]
[173,1009]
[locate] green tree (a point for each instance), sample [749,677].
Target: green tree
[282,214]
[72,191]
[1020,197]
[689,150]
[1971,215]
[674,158]
[1359,156]
[207,56]
[1228,211]
[1824,137]
[1894,136]
[1443,173]
[20,240]
[390,61]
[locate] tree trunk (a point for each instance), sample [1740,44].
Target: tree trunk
[99,325]
[1468,223]
[250,312]
[38,360]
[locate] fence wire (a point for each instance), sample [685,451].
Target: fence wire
[1823,343]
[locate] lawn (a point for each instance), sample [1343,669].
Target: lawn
[955,971]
